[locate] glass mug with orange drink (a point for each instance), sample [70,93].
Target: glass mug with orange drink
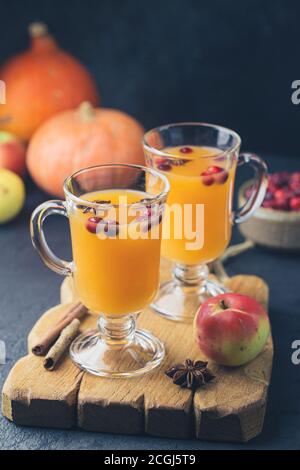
[200,162]
[115,214]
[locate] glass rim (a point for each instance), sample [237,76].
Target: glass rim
[150,200]
[161,153]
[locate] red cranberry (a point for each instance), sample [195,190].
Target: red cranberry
[149,219]
[165,166]
[208,180]
[282,189]
[279,179]
[222,177]
[150,212]
[151,222]
[281,205]
[295,185]
[110,227]
[146,215]
[272,187]
[283,194]
[281,201]
[295,203]
[212,170]
[215,174]
[186,150]
[268,204]
[91,224]
[279,194]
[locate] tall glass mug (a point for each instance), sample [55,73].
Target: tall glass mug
[200,162]
[115,214]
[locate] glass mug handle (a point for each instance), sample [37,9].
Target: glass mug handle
[37,220]
[259,187]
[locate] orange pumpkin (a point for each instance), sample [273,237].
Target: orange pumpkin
[41,82]
[81,138]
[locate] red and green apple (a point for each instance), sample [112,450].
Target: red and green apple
[231,329]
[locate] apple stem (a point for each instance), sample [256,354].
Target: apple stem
[223,304]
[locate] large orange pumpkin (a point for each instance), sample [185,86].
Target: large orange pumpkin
[80,138]
[41,82]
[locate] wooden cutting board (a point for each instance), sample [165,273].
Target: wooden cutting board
[231,408]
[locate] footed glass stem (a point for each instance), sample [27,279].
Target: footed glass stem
[180,298]
[117,349]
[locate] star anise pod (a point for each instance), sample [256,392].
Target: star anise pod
[88,209]
[190,374]
[102,201]
[84,209]
[179,162]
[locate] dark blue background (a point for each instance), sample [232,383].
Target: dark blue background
[225,61]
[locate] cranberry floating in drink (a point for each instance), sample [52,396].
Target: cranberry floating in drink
[115,273]
[200,162]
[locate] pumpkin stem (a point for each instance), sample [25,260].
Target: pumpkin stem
[37,30]
[41,40]
[86,111]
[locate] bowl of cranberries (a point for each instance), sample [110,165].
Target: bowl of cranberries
[276,224]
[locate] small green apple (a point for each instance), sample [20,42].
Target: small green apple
[12,195]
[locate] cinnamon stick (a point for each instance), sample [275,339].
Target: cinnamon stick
[62,344]
[75,311]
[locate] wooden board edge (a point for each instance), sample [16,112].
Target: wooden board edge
[20,407]
[114,418]
[167,422]
[6,406]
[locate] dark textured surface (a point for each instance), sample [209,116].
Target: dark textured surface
[225,61]
[27,289]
